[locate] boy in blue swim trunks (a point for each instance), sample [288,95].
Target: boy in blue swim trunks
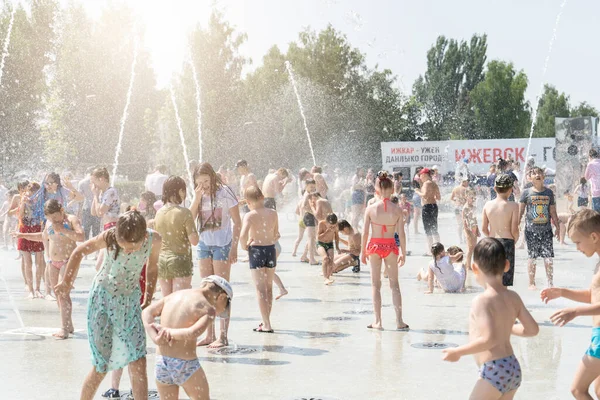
[492,322]
[184,316]
[584,231]
[327,234]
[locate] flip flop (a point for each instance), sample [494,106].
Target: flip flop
[371,327]
[261,330]
[405,329]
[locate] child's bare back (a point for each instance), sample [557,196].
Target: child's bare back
[501,217]
[263,226]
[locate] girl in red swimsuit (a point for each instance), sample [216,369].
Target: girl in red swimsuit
[384,218]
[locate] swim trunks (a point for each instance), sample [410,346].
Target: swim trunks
[358,197]
[382,247]
[262,256]
[430,219]
[325,245]
[175,371]
[172,265]
[309,220]
[540,244]
[594,349]
[504,374]
[509,249]
[270,203]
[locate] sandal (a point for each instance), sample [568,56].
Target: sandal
[261,330]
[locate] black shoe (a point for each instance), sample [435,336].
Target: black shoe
[112,394]
[356,269]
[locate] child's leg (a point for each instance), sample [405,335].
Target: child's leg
[342,261]
[181,284]
[28,266]
[206,269]
[312,242]
[549,264]
[321,251]
[563,232]
[330,257]
[40,269]
[263,279]
[170,392]
[587,372]
[91,383]
[485,390]
[115,378]
[63,304]
[139,378]
[282,290]
[196,387]
[222,268]
[392,267]
[166,286]
[301,230]
[416,216]
[471,242]
[531,270]
[459,224]
[375,262]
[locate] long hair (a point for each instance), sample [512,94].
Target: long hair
[436,250]
[40,197]
[131,228]
[215,184]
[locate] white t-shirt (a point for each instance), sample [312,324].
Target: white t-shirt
[155,182]
[450,277]
[214,221]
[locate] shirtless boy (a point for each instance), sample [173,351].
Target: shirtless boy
[273,185]
[184,316]
[247,179]
[492,322]
[60,237]
[260,232]
[349,257]
[430,195]
[459,197]
[322,208]
[501,221]
[308,210]
[322,188]
[326,235]
[584,231]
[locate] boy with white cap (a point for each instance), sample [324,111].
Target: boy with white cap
[184,316]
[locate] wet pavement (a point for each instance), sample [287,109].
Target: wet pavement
[321,348]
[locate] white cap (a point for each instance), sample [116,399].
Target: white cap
[220,282]
[435,167]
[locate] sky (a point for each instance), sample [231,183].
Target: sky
[396,34]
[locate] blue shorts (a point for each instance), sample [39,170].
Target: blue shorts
[594,349]
[174,371]
[596,203]
[217,253]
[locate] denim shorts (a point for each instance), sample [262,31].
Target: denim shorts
[217,253]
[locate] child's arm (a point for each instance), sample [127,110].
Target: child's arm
[337,241]
[34,237]
[455,257]
[148,316]
[528,326]
[344,242]
[438,195]
[365,237]
[522,207]
[555,220]
[276,227]
[195,330]
[152,270]
[485,223]
[486,339]
[76,235]
[46,241]
[580,296]
[244,232]
[514,221]
[322,230]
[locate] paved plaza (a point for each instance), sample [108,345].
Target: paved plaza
[321,348]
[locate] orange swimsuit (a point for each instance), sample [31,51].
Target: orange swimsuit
[382,246]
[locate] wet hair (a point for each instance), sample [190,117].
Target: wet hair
[317,170]
[215,185]
[55,177]
[283,172]
[310,182]
[101,172]
[303,173]
[538,170]
[583,181]
[490,256]
[131,228]
[52,206]
[150,199]
[452,250]
[253,193]
[384,180]
[331,219]
[585,221]
[171,188]
[161,168]
[343,224]
[436,250]
[33,187]
[502,164]
[593,153]
[22,185]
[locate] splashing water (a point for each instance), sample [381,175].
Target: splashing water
[198,111]
[185,153]
[288,66]
[7,41]
[124,117]
[11,300]
[541,91]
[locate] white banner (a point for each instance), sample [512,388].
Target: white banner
[480,153]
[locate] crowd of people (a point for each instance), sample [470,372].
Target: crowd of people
[345,221]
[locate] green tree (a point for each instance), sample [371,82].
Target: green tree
[499,102]
[584,109]
[552,104]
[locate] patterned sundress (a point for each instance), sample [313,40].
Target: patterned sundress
[115,329]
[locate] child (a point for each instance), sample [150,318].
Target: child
[326,235]
[501,220]
[540,205]
[450,278]
[260,232]
[584,231]
[351,256]
[492,321]
[115,329]
[60,237]
[184,316]
[8,221]
[469,221]
[583,193]
[404,204]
